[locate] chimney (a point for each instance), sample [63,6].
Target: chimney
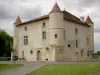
[82,19]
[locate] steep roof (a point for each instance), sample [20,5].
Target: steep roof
[88,20]
[36,19]
[68,16]
[18,20]
[55,8]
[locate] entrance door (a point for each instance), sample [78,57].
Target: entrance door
[38,55]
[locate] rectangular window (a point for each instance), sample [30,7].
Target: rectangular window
[76,43]
[69,45]
[44,35]
[87,41]
[64,35]
[43,25]
[25,40]
[25,28]
[76,31]
[81,53]
[88,53]
[56,35]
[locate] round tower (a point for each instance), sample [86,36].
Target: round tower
[91,34]
[56,25]
[15,39]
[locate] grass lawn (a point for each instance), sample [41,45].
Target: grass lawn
[67,69]
[7,66]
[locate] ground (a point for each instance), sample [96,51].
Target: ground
[67,69]
[22,70]
[7,66]
[52,68]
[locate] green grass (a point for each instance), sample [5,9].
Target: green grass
[67,69]
[7,66]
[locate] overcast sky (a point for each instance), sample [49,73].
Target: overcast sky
[29,9]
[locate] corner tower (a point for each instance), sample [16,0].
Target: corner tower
[15,39]
[56,21]
[56,26]
[91,34]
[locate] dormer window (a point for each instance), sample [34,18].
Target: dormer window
[43,25]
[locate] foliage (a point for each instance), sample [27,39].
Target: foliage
[7,66]
[98,53]
[67,69]
[6,42]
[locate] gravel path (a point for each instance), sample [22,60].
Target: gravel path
[98,73]
[28,67]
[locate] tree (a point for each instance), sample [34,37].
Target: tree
[98,53]
[6,41]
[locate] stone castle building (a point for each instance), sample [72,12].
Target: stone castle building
[58,36]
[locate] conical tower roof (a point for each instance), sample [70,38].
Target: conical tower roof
[55,8]
[18,20]
[88,20]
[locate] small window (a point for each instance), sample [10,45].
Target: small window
[25,28]
[64,35]
[81,53]
[69,45]
[76,52]
[47,48]
[56,35]
[87,41]
[46,59]
[76,43]
[43,25]
[76,31]
[44,35]
[31,52]
[88,54]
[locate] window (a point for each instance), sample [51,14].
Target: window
[87,41]
[46,59]
[76,52]
[81,53]
[47,48]
[76,43]
[69,45]
[55,35]
[43,25]
[88,53]
[44,35]
[25,40]
[76,31]
[25,28]
[31,52]
[64,35]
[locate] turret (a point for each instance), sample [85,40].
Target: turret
[56,24]
[15,44]
[89,21]
[91,30]
[18,21]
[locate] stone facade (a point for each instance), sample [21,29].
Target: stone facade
[53,38]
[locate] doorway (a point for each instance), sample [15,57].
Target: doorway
[22,54]
[38,55]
